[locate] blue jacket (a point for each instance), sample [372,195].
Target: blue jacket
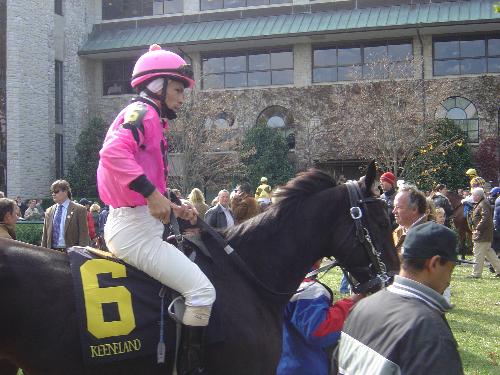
[496,215]
[311,324]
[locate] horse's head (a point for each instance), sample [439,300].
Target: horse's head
[364,245]
[312,218]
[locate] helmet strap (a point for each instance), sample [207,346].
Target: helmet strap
[164,110]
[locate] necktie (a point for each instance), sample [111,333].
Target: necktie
[56,226]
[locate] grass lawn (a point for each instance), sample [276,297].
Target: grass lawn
[475,319]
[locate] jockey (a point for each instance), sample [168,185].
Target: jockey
[132,180]
[475,181]
[263,192]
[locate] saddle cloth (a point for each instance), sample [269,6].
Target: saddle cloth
[119,309]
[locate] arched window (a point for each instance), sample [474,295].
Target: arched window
[463,113]
[222,120]
[278,117]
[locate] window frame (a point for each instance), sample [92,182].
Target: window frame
[485,37]
[145,9]
[461,122]
[267,2]
[247,71]
[58,7]
[363,58]
[59,155]
[126,88]
[287,131]
[59,92]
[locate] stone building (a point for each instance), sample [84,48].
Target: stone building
[3,123]
[281,62]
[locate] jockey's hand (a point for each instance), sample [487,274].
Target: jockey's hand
[186,212]
[159,206]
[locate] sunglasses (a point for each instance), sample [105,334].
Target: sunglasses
[55,191]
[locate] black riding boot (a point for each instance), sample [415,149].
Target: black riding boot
[191,356]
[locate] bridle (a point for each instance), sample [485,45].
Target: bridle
[377,267]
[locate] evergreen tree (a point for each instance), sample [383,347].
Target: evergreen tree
[443,158]
[82,173]
[264,152]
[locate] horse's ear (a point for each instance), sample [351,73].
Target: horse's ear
[370,177]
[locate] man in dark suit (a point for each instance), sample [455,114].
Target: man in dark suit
[65,222]
[220,216]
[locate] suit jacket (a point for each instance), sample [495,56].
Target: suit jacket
[216,218]
[7,231]
[76,230]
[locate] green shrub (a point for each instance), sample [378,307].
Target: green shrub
[30,232]
[264,151]
[82,173]
[443,158]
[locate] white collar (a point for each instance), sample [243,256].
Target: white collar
[65,204]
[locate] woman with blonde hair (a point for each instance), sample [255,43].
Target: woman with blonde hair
[197,199]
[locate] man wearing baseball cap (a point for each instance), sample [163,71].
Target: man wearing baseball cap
[388,182]
[402,329]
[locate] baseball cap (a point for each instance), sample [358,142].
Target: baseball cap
[429,239]
[84,201]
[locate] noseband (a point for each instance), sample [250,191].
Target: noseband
[380,278]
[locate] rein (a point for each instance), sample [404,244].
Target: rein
[237,259]
[363,236]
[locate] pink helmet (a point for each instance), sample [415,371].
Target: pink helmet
[160,63]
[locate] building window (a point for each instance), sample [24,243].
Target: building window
[59,91]
[168,6]
[463,113]
[280,118]
[220,4]
[348,63]
[117,76]
[114,9]
[58,7]
[223,120]
[264,68]
[59,156]
[466,55]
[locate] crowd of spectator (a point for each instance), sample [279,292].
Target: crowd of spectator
[56,234]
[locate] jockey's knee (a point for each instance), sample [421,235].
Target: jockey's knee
[199,305]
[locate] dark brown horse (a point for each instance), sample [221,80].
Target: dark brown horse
[460,221]
[38,321]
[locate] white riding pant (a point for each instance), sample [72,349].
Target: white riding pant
[135,236]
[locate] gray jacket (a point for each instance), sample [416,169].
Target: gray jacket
[399,330]
[216,218]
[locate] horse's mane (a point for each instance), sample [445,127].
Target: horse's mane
[302,186]
[288,199]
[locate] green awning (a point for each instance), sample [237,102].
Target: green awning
[401,16]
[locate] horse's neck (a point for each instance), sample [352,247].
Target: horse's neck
[280,261]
